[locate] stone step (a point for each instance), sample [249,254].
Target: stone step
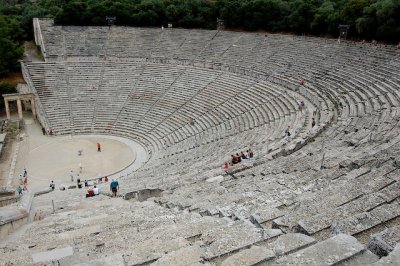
[252,256]
[226,244]
[103,260]
[262,253]
[324,220]
[390,260]
[390,192]
[329,252]
[366,220]
[365,257]
[187,255]
[384,242]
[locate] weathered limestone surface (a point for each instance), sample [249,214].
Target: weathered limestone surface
[55,254]
[384,242]
[231,240]
[323,220]
[187,255]
[249,256]
[290,242]
[366,220]
[112,260]
[392,259]
[363,258]
[391,192]
[328,252]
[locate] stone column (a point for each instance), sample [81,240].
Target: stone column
[7,109]
[33,107]
[19,106]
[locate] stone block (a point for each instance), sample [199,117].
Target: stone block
[392,259]
[289,243]
[366,220]
[324,220]
[215,179]
[52,255]
[363,258]
[184,256]
[265,215]
[390,192]
[384,242]
[251,256]
[328,252]
[111,260]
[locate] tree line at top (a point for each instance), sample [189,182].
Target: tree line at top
[369,19]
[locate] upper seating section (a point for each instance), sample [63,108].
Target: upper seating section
[228,82]
[155,103]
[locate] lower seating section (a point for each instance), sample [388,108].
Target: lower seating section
[147,233]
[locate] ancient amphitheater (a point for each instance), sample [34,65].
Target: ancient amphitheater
[328,195]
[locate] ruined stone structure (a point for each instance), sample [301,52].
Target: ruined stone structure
[326,195]
[19,97]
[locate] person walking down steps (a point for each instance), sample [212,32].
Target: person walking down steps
[114,186]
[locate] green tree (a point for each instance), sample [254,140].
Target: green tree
[5,88]
[326,18]
[11,37]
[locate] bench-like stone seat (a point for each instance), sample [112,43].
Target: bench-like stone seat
[337,249]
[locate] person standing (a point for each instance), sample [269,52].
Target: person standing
[313,122]
[52,185]
[98,147]
[96,190]
[114,187]
[287,132]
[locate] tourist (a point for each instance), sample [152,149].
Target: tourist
[86,183]
[234,159]
[25,172]
[302,82]
[43,131]
[239,159]
[250,153]
[98,147]
[52,185]
[78,182]
[80,168]
[287,132]
[243,155]
[96,190]
[313,122]
[226,166]
[105,179]
[19,190]
[90,193]
[114,186]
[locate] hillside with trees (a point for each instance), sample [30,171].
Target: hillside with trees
[369,19]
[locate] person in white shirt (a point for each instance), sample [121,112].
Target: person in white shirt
[96,190]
